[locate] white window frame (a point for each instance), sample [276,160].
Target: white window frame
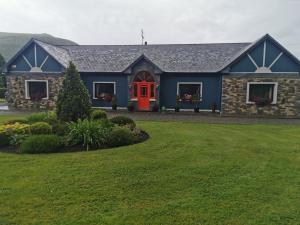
[274,101]
[200,83]
[103,82]
[27,96]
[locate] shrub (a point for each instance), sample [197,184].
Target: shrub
[73,101]
[37,117]
[40,128]
[4,139]
[20,121]
[2,92]
[60,128]
[91,134]
[98,114]
[121,136]
[41,144]
[16,132]
[123,121]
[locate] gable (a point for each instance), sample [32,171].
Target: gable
[142,63]
[33,58]
[266,56]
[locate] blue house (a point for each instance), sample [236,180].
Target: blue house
[261,77]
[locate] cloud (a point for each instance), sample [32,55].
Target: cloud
[163,21]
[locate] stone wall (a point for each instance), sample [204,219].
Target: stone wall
[16,91]
[234,93]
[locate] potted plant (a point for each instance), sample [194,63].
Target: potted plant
[177,108]
[214,107]
[195,102]
[114,102]
[130,107]
[155,107]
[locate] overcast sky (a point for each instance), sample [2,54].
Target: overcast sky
[163,21]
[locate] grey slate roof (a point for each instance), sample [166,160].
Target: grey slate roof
[60,54]
[169,57]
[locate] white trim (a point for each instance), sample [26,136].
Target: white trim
[264,54]
[252,60]
[103,82]
[275,60]
[26,60]
[41,66]
[200,83]
[274,101]
[35,57]
[27,89]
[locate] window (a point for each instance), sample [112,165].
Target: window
[262,93]
[144,91]
[104,91]
[36,89]
[189,92]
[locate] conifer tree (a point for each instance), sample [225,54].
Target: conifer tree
[73,101]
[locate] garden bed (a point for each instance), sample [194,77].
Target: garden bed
[45,133]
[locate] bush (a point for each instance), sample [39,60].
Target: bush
[40,128]
[73,101]
[41,144]
[2,92]
[123,121]
[98,114]
[20,121]
[4,139]
[60,128]
[37,117]
[91,134]
[120,136]
[16,132]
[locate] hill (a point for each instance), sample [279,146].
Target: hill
[10,43]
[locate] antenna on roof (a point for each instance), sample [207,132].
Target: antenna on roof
[142,35]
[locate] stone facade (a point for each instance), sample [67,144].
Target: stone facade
[234,94]
[16,90]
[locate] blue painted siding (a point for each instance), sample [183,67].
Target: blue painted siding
[284,64]
[51,64]
[211,89]
[121,87]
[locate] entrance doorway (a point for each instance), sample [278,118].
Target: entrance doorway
[144,90]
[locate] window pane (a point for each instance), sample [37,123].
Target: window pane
[104,91]
[261,92]
[188,92]
[152,95]
[37,90]
[144,91]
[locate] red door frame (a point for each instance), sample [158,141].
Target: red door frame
[144,94]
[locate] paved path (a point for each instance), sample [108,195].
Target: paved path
[200,117]
[187,116]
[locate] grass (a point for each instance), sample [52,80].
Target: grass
[2,100]
[186,173]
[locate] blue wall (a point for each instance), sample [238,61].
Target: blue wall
[51,64]
[284,64]
[211,89]
[121,87]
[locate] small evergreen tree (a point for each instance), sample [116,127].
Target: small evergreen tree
[73,101]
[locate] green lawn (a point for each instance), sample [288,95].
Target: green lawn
[186,173]
[2,100]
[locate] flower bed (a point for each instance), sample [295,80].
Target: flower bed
[44,133]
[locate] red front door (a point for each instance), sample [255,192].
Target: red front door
[143,96]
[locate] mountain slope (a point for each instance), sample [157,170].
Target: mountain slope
[10,43]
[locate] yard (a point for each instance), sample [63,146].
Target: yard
[186,173]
